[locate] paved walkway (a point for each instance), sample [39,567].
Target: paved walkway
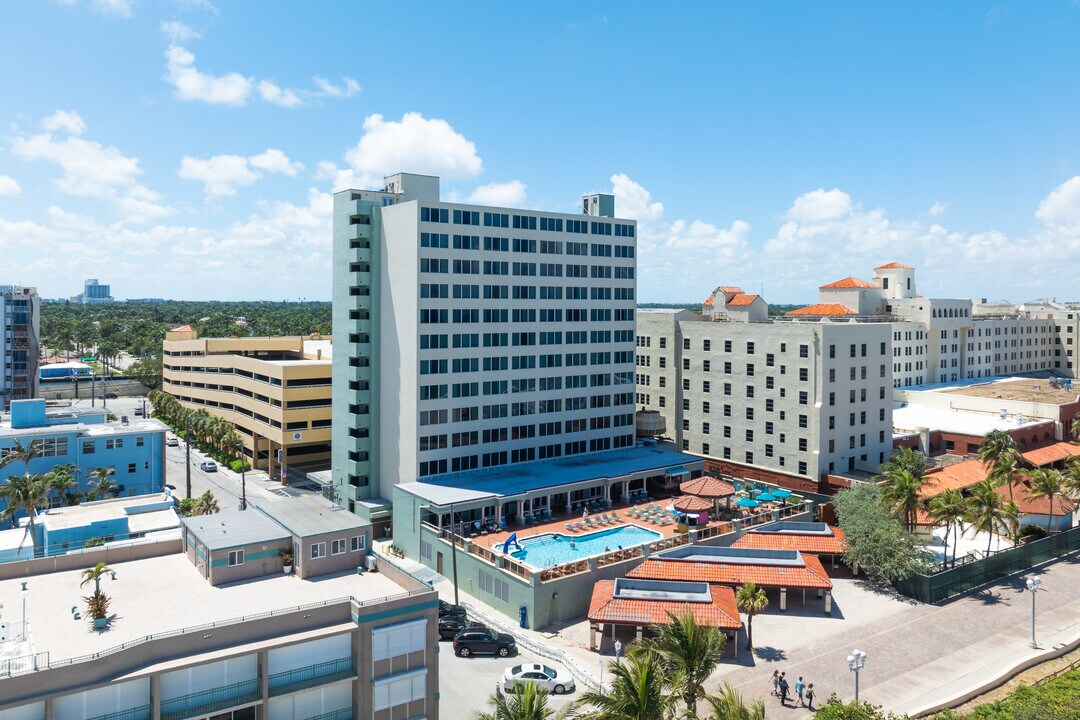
[932,654]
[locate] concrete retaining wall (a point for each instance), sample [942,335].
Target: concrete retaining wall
[89,558]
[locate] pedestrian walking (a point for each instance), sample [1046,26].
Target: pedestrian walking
[775,683]
[810,696]
[783,689]
[800,688]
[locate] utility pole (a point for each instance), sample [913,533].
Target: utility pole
[453,550]
[93,390]
[187,444]
[243,476]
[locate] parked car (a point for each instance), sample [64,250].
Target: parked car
[551,679]
[451,625]
[484,642]
[172,442]
[208,466]
[110,396]
[448,609]
[138,412]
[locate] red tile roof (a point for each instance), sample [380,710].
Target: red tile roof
[730,289]
[183,328]
[1051,453]
[804,543]
[722,612]
[961,475]
[894,266]
[742,300]
[812,576]
[848,283]
[822,310]
[708,301]
[691,503]
[707,486]
[1036,506]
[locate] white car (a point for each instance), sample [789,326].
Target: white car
[554,681]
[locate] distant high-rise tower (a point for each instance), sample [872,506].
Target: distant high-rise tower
[19,349]
[94,293]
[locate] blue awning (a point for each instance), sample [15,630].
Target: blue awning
[677,471]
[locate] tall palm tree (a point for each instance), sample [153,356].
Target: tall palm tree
[751,600]
[205,504]
[639,690]
[904,458]
[1047,483]
[21,453]
[728,704]
[1071,475]
[103,484]
[28,493]
[900,490]
[689,652]
[949,508]
[999,454]
[527,702]
[61,479]
[987,510]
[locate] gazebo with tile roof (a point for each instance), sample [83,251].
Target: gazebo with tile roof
[638,604]
[778,569]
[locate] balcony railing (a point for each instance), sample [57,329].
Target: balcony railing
[311,676]
[137,713]
[212,700]
[342,714]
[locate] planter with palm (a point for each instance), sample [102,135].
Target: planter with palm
[97,605]
[689,652]
[751,600]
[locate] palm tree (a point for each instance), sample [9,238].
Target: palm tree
[1050,484]
[103,486]
[987,510]
[901,492]
[1075,427]
[527,702]
[638,691]
[1000,454]
[95,574]
[28,493]
[751,600]
[205,504]
[1071,474]
[949,508]
[689,652]
[21,453]
[729,705]
[904,458]
[61,479]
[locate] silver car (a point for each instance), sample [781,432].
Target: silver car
[554,681]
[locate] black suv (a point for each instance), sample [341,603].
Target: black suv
[448,610]
[472,642]
[451,625]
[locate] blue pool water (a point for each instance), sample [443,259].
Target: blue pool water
[551,549]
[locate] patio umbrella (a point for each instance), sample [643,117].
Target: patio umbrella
[780,494]
[765,497]
[747,503]
[692,503]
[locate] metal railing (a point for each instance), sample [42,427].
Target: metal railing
[212,700]
[24,664]
[142,712]
[311,676]
[342,714]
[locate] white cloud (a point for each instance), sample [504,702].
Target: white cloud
[271,93]
[937,209]
[177,31]
[8,187]
[325,88]
[191,84]
[413,144]
[221,174]
[820,205]
[91,169]
[1061,208]
[341,178]
[119,8]
[508,194]
[65,121]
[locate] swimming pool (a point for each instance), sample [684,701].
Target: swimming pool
[550,549]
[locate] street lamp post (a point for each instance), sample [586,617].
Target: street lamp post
[243,475]
[856,660]
[24,592]
[1033,587]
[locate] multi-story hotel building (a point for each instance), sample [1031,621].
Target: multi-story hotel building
[275,391]
[810,394]
[471,337]
[19,350]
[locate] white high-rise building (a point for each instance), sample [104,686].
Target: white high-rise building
[19,344]
[470,337]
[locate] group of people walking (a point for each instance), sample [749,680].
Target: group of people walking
[782,690]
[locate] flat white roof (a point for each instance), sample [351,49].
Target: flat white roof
[162,594]
[91,512]
[912,416]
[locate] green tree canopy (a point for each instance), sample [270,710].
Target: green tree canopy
[876,541]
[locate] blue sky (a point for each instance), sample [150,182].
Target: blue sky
[186,149]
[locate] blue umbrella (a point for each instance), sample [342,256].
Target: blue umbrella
[747,503]
[781,494]
[765,497]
